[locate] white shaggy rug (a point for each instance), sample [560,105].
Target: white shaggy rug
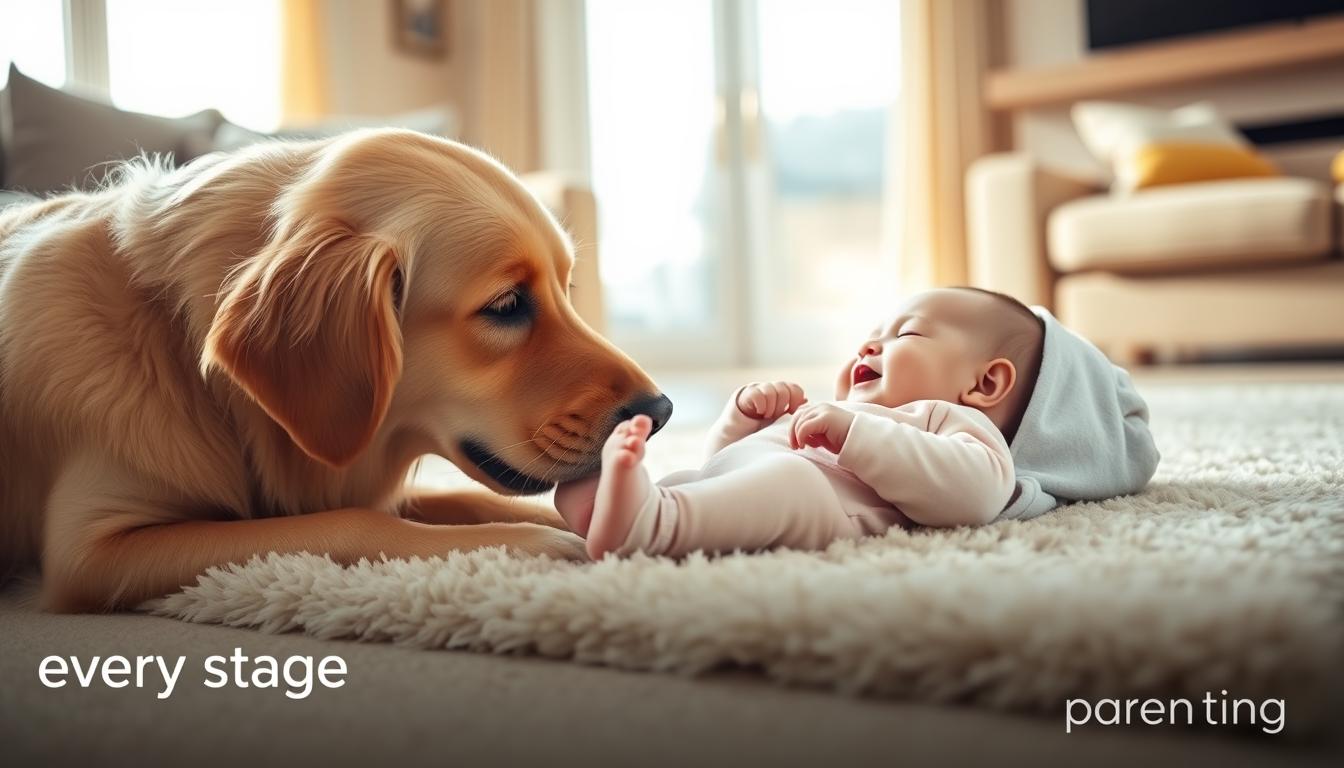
[1228,573]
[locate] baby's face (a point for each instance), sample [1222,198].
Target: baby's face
[928,350]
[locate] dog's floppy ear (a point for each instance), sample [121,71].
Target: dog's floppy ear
[308,329]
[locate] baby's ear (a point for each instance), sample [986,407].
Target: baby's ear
[992,385]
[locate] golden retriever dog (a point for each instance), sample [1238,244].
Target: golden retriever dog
[247,354]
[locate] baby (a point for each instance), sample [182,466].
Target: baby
[966,407]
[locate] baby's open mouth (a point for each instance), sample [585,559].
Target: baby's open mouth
[863,373]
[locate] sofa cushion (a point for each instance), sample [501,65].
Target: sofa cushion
[1285,306]
[58,139]
[1194,226]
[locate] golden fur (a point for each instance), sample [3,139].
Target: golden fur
[248,353]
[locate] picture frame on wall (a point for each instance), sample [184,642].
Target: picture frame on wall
[420,27]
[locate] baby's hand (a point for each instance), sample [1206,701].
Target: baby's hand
[822,425]
[770,400]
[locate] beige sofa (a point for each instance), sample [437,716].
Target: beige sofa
[1247,264]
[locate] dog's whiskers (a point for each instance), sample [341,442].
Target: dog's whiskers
[568,443]
[495,454]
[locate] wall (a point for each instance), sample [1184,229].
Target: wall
[487,76]
[499,87]
[369,76]
[1047,33]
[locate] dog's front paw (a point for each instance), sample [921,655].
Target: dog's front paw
[556,543]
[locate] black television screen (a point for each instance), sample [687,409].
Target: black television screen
[1113,23]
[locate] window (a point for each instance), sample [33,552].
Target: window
[170,57]
[32,36]
[163,57]
[739,154]
[653,129]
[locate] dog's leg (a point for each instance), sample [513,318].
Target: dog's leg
[120,567]
[471,507]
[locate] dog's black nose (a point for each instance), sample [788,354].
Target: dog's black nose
[656,407]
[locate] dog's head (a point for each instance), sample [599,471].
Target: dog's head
[413,298]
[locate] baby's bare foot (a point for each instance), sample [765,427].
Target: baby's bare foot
[623,489]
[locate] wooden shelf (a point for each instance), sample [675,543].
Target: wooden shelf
[1154,65]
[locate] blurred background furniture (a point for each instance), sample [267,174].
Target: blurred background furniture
[1207,268]
[1240,264]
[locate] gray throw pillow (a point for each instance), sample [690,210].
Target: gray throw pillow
[59,140]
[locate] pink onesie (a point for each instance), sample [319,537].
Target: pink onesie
[929,462]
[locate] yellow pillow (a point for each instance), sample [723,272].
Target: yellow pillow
[1155,165]
[1337,168]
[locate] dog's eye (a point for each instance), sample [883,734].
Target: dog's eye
[504,305]
[509,307]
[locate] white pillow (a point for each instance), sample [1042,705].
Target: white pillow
[436,121]
[1114,131]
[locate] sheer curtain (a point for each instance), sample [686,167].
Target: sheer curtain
[945,46]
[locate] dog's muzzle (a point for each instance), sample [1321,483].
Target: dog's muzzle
[656,407]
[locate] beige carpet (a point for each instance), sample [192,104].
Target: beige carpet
[1228,573]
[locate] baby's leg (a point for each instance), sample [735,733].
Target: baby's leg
[575,500]
[772,500]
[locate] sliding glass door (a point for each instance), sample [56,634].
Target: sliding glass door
[739,155]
